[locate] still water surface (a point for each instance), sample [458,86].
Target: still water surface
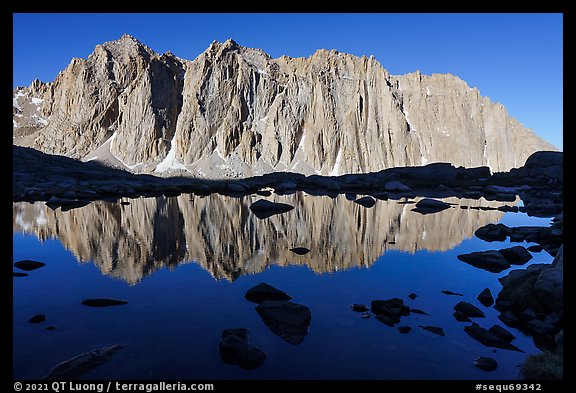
[184,264]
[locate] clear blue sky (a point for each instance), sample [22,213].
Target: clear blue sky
[515,59]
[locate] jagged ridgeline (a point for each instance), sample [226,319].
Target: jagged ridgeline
[234,111]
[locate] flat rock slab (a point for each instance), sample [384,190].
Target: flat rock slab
[516,255]
[288,320]
[434,329]
[76,367]
[490,260]
[264,209]
[235,349]
[103,302]
[300,250]
[263,291]
[483,336]
[366,201]
[28,265]
[469,310]
[428,206]
[486,364]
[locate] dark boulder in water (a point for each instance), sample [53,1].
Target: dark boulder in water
[434,329]
[487,338]
[428,206]
[452,293]
[103,302]
[235,349]
[288,320]
[359,307]
[469,310]
[404,329]
[490,260]
[27,265]
[516,255]
[485,297]
[38,318]
[19,274]
[263,291]
[300,250]
[486,364]
[366,201]
[264,209]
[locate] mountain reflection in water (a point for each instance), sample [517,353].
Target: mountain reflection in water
[222,235]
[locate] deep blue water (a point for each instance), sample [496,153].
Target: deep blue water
[171,326]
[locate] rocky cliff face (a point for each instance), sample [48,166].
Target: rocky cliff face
[225,237]
[234,111]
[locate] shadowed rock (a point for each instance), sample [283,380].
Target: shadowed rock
[486,364]
[28,265]
[428,206]
[502,333]
[235,349]
[288,320]
[300,250]
[452,293]
[38,318]
[263,291]
[483,336]
[485,297]
[264,209]
[490,260]
[516,255]
[76,367]
[103,302]
[366,201]
[434,329]
[469,310]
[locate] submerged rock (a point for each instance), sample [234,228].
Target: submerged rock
[264,209]
[235,349]
[38,318]
[300,250]
[404,329]
[51,327]
[490,260]
[359,307]
[486,364]
[434,329]
[103,302]
[263,291]
[412,296]
[387,320]
[417,311]
[428,206]
[485,297]
[76,367]
[28,265]
[288,320]
[19,274]
[469,310]
[365,315]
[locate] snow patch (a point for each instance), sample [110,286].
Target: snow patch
[336,170]
[262,71]
[44,122]
[91,159]
[428,91]
[423,160]
[408,121]
[41,219]
[170,162]
[14,124]
[15,103]
[37,101]
[347,77]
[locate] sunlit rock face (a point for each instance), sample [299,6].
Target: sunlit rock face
[223,236]
[234,111]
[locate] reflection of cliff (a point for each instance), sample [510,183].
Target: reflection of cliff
[224,237]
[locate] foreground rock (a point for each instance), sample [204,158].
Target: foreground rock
[236,349]
[28,265]
[103,302]
[490,260]
[428,206]
[485,297]
[531,299]
[264,209]
[486,364]
[263,291]
[483,336]
[78,366]
[288,320]
[469,310]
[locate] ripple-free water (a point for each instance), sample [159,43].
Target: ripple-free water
[185,263]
